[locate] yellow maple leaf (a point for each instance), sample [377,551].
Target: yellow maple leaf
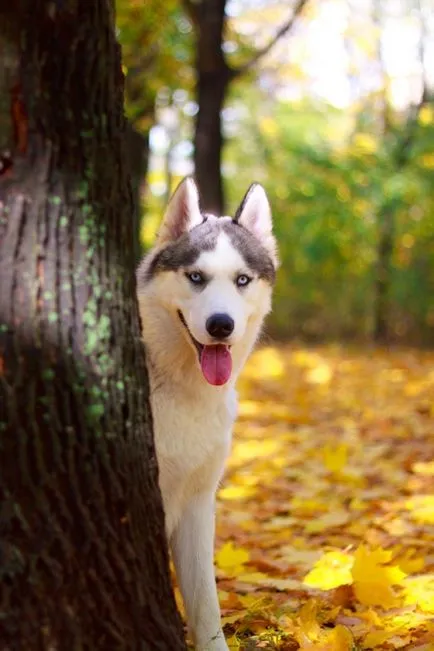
[308,629]
[310,635]
[330,571]
[231,559]
[338,639]
[373,579]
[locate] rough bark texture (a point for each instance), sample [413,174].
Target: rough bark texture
[83,557]
[138,157]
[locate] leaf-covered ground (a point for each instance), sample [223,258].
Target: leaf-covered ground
[325,519]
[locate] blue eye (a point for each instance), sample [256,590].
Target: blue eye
[195,277]
[242,280]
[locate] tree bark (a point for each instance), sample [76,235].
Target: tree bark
[213,76]
[138,156]
[208,139]
[386,240]
[83,556]
[211,84]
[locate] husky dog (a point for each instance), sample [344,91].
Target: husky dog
[203,292]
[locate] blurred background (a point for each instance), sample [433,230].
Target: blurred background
[330,105]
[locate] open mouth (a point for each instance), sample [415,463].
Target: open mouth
[215,360]
[199,347]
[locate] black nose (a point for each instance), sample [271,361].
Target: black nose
[220,326]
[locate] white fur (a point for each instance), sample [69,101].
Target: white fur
[256,217]
[192,419]
[182,213]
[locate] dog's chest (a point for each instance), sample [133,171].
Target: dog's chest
[192,438]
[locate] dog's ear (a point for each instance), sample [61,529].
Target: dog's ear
[254,214]
[182,214]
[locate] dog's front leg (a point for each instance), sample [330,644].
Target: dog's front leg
[193,554]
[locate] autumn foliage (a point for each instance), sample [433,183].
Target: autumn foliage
[325,534]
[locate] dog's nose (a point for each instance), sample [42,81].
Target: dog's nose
[220,326]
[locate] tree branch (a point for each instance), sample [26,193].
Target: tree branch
[284,29]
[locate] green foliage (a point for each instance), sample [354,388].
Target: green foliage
[329,182]
[156,39]
[332,177]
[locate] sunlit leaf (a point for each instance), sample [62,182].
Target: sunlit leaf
[231,558]
[373,579]
[332,570]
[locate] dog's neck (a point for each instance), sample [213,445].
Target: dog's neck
[171,357]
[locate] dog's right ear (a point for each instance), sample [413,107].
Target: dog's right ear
[182,214]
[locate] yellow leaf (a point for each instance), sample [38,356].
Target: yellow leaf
[420,590]
[426,115]
[421,508]
[230,559]
[410,562]
[236,492]
[373,579]
[424,468]
[320,374]
[309,634]
[233,643]
[268,126]
[395,637]
[365,142]
[335,457]
[338,639]
[309,629]
[258,578]
[327,521]
[332,570]
[231,619]
[252,577]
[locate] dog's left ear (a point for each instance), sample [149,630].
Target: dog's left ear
[254,214]
[182,214]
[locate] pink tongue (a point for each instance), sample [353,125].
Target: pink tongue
[216,364]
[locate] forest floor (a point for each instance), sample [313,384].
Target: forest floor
[325,518]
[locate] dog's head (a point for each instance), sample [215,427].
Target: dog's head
[214,275]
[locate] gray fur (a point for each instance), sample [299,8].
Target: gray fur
[185,250]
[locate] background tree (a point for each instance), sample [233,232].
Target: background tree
[398,136]
[309,123]
[213,75]
[156,46]
[83,552]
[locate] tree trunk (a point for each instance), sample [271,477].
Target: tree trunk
[213,77]
[383,278]
[400,156]
[208,140]
[138,157]
[84,561]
